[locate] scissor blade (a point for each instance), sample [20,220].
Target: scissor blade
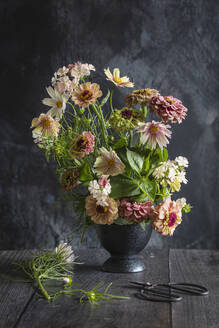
[142,284]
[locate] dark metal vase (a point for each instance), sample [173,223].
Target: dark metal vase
[124,242]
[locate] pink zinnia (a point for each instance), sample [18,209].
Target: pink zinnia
[166,217]
[132,211]
[83,144]
[154,133]
[168,108]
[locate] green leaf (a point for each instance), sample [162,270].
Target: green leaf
[146,164]
[143,225]
[148,187]
[120,143]
[135,160]
[165,155]
[123,186]
[140,198]
[85,173]
[104,100]
[121,152]
[122,221]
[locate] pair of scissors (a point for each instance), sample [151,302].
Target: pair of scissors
[163,292]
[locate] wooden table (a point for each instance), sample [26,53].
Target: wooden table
[20,306]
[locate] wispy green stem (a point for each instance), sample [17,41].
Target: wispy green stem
[111,101]
[93,124]
[44,292]
[75,112]
[99,114]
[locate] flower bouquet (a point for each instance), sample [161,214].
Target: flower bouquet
[112,162]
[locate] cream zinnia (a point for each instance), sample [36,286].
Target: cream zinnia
[101,214]
[45,125]
[86,94]
[154,133]
[108,163]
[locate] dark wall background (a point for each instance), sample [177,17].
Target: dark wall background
[170,45]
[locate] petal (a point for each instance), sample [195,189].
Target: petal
[51,92]
[125,79]
[38,129]
[108,73]
[49,102]
[116,73]
[34,122]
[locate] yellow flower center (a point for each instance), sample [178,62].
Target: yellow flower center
[117,79]
[154,129]
[46,123]
[81,143]
[140,91]
[111,163]
[171,101]
[86,94]
[59,104]
[101,209]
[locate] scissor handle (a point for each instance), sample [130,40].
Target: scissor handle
[157,296]
[193,289]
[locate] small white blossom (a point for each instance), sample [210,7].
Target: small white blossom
[79,70]
[182,161]
[182,177]
[66,280]
[62,70]
[100,190]
[181,202]
[172,173]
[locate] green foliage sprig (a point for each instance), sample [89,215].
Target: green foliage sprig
[57,266]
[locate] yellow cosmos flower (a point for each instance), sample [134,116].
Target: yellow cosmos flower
[117,80]
[45,125]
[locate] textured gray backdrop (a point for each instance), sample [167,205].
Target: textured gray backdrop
[170,45]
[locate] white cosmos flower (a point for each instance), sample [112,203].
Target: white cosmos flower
[182,161]
[57,102]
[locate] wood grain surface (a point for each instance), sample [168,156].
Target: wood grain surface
[200,267]
[21,307]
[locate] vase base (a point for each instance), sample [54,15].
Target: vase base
[130,264]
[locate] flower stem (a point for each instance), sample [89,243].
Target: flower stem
[130,138]
[93,123]
[75,113]
[44,292]
[144,110]
[102,123]
[111,101]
